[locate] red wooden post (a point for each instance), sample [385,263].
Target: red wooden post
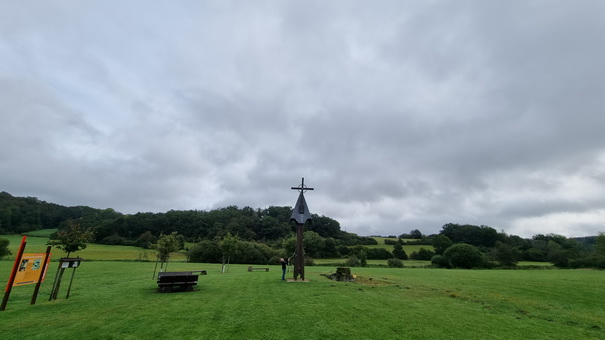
[11,280]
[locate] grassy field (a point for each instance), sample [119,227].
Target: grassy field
[92,252]
[119,300]
[409,248]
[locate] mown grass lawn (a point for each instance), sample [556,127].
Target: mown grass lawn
[119,300]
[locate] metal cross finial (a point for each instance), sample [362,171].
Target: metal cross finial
[302,187]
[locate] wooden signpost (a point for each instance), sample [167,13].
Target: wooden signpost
[28,268]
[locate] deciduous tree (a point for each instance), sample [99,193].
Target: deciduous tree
[398,251]
[71,238]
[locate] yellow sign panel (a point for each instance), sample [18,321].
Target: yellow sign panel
[29,269]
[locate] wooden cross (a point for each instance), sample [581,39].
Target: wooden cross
[300,218]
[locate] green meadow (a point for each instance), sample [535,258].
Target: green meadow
[409,248]
[116,299]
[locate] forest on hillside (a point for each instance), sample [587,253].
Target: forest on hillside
[23,214]
[264,235]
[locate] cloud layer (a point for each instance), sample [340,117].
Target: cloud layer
[401,115]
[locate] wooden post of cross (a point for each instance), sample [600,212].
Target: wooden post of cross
[300,214]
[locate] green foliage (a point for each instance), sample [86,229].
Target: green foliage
[414,234]
[591,261]
[205,251]
[422,254]
[600,244]
[242,252]
[363,259]
[353,261]
[479,236]
[146,240]
[398,251]
[440,261]
[228,245]
[24,214]
[72,237]
[506,255]
[390,242]
[166,245]
[464,255]
[4,247]
[441,242]
[371,253]
[313,244]
[395,263]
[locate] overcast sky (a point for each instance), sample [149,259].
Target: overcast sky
[401,114]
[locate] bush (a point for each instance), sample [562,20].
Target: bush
[440,261]
[115,240]
[206,251]
[395,263]
[422,255]
[4,247]
[352,261]
[464,255]
[593,261]
[378,254]
[274,260]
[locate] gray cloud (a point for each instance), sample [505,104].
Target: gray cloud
[402,115]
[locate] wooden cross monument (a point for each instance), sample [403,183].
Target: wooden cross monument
[300,214]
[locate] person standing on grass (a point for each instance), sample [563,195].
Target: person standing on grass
[284,266]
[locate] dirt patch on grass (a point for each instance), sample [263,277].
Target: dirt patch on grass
[372,281]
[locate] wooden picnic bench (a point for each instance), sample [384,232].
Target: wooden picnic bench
[167,281]
[258,268]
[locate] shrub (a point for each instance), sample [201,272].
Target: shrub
[4,247]
[422,255]
[378,254]
[206,251]
[395,263]
[464,255]
[593,261]
[440,261]
[352,261]
[114,240]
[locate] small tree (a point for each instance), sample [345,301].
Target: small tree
[363,258]
[71,238]
[4,247]
[398,251]
[166,244]
[441,243]
[228,246]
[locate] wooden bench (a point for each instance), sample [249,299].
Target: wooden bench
[258,268]
[167,281]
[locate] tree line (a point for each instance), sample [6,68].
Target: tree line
[264,235]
